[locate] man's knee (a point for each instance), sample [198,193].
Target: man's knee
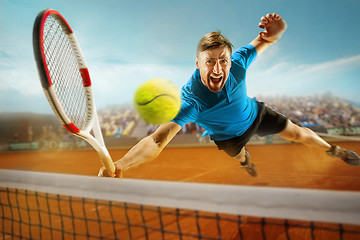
[292,132]
[241,156]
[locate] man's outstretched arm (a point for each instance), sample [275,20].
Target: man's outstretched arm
[146,150]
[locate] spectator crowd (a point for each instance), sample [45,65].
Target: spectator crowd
[325,111]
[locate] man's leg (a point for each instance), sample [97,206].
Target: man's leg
[244,158]
[293,132]
[306,136]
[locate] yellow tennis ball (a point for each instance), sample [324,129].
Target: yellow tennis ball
[157,100]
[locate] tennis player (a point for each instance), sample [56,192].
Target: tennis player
[215,97]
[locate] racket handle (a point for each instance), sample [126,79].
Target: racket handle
[106,160]
[102,151]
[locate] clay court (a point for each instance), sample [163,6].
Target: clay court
[279,165]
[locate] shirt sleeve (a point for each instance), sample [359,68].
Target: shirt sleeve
[244,56]
[188,113]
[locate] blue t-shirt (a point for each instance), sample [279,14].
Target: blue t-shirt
[227,113]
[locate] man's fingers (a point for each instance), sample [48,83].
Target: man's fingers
[263,34]
[269,16]
[118,173]
[105,173]
[101,172]
[264,20]
[269,19]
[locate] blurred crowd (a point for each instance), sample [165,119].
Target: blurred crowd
[117,121]
[326,112]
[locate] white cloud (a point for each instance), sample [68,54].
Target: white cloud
[22,78]
[284,77]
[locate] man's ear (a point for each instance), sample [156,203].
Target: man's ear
[197,63]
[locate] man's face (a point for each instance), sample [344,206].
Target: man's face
[214,65]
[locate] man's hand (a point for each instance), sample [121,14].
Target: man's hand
[105,173]
[274,26]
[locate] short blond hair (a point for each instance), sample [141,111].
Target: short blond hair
[213,40]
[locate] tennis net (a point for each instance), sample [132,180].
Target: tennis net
[36,205]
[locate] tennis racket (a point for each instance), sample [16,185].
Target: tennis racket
[66,81]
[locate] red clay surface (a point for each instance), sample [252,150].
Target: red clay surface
[279,165]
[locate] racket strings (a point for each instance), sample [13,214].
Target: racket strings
[64,72]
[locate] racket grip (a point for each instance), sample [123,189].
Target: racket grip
[99,146]
[106,160]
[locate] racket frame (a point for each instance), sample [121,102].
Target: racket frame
[91,121]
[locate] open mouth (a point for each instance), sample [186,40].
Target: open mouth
[216,79]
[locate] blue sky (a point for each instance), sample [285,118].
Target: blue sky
[128,42]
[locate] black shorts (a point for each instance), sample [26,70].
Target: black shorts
[267,122]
